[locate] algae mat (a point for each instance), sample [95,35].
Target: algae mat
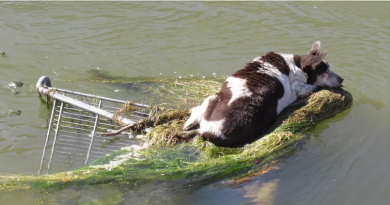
[198,160]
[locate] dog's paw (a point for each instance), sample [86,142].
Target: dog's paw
[304,95]
[190,134]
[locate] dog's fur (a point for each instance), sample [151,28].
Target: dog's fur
[251,99]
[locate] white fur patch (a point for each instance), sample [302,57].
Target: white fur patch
[258,59]
[298,79]
[295,79]
[238,88]
[213,127]
[285,80]
[295,72]
[303,89]
[197,113]
[194,119]
[272,71]
[288,97]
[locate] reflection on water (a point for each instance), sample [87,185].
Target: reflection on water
[344,162]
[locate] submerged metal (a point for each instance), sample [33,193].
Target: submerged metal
[76,118]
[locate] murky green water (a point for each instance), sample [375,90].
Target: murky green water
[347,163]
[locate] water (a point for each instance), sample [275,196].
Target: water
[345,163]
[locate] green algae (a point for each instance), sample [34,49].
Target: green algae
[108,157]
[197,160]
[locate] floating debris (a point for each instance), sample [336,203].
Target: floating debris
[14,112]
[14,84]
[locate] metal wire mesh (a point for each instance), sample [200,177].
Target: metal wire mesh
[73,136]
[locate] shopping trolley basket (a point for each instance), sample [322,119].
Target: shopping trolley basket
[76,122]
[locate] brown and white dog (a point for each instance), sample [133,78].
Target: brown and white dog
[251,99]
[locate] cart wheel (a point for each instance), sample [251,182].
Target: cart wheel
[43,82]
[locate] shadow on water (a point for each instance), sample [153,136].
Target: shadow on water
[156,192]
[328,169]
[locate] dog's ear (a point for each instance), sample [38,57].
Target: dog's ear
[315,48]
[311,62]
[317,59]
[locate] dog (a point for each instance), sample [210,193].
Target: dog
[251,99]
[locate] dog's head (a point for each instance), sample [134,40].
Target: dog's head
[318,71]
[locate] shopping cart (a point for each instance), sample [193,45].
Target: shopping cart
[76,122]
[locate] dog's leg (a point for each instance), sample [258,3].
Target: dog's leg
[304,90]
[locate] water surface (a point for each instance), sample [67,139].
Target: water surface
[346,161]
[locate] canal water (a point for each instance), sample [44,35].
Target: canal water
[345,161]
